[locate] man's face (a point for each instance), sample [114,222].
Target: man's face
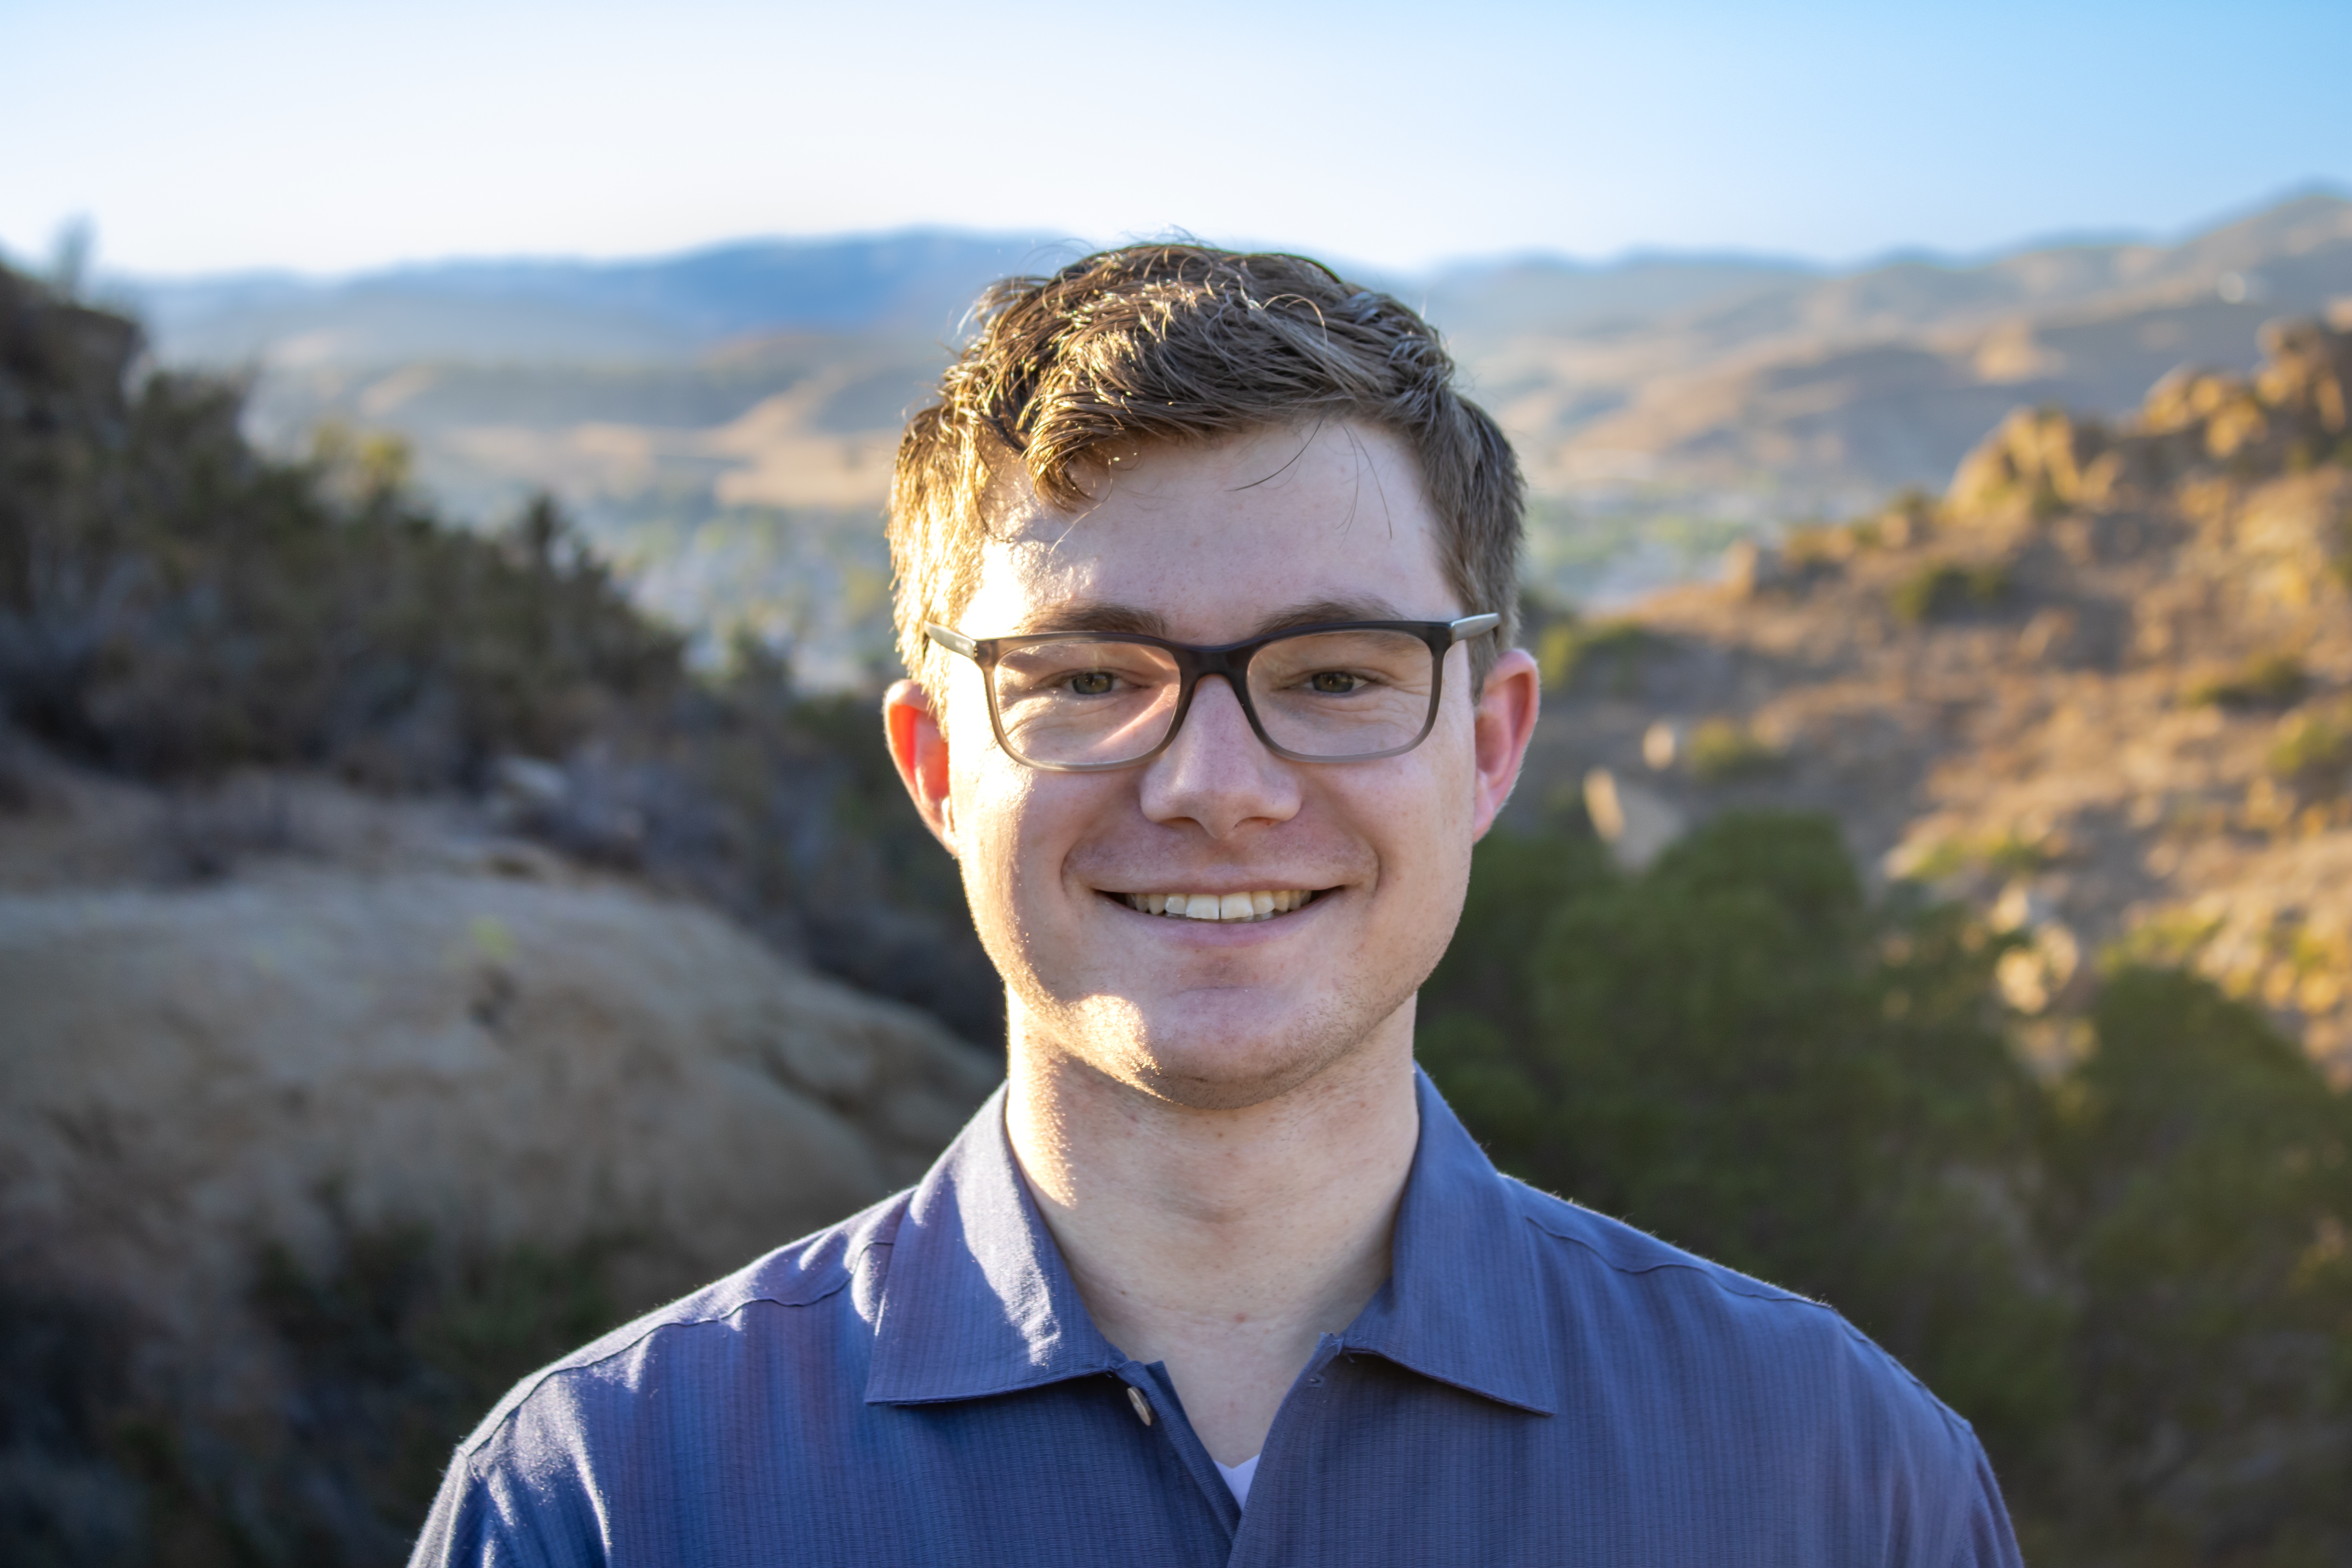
[1216,544]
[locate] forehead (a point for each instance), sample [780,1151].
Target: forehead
[1212,540]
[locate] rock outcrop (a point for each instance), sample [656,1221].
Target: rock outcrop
[186,1071]
[2103,687]
[369,1019]
[2289,415]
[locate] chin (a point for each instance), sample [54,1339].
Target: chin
[1225,1058]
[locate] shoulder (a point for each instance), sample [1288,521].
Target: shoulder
[1580,1240]
[817,1287]
[654,1402]
[1765,1391]
[1705,1331]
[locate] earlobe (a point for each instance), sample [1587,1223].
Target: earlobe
[919,748]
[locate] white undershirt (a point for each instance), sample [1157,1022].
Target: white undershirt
[1238,1477]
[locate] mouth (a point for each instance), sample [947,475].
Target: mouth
[1231,909]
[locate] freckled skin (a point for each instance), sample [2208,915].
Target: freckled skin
[1217,1119]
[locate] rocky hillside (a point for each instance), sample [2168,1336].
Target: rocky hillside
[321,1115]
[2103,685]
[405,970]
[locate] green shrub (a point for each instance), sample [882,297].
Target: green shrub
[2313,750]
[2008,853]
[2133,1279]
[400,1345]
[387,1349]
[173,603]
[1945,588]
[1725,1052]
[1570,647]
[2198,1197]
[1722,750]
[2272,680]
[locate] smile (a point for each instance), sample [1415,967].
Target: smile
[1229,907]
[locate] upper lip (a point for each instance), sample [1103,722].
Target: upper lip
[1217,885]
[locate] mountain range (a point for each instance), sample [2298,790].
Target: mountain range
[721,422]
[661,309]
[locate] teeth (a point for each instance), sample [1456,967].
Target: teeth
[1219,906]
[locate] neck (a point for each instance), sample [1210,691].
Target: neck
[1220,1242]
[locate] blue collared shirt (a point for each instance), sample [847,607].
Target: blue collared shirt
[921,1384]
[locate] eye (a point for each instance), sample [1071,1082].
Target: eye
[1092,682]
[1332,682]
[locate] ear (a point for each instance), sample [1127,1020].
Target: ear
[921,751]
[1505,723]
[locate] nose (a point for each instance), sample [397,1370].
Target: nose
[1216,772]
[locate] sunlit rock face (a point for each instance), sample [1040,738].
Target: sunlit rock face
[503,1059]
[311,1141]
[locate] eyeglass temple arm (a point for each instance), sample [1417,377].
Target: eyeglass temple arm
[1469,626]
[954,642]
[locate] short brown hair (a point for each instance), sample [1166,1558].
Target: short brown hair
[1184,342]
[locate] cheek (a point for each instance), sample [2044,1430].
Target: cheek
[1425,873]
[1425,820]
[1422,834]
[1017,827]
[992,816]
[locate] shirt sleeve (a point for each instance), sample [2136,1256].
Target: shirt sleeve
[1986,1540]
[462,1527]
[481,1520]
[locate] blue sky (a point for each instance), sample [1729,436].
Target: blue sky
[324,136]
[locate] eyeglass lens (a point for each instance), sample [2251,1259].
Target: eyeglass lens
[1325,695]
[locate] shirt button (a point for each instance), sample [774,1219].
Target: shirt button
[1142,1405]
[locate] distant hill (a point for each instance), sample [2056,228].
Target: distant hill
[565,311]
[1831,391]
[721,421]
[1550,295]
[919,281]
[1850,387]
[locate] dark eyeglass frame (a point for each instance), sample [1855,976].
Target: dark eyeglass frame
[1231,661]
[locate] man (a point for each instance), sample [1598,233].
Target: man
[1207,576]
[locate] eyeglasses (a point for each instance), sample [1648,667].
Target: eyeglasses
[1341,691]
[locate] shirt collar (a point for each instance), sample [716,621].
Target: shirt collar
[1465,1304]
[978,1301]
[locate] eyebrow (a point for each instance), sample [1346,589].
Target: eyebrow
[1111,618]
